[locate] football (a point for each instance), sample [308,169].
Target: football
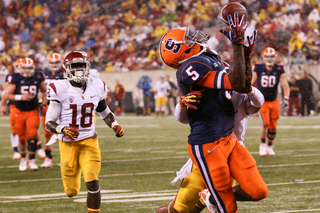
[230,9]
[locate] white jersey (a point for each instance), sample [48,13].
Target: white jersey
[162,88]
[77,108]
[94,73]
[240,116]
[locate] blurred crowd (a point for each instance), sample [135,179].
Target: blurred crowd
[124,35]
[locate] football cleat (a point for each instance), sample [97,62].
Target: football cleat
[32,164]
[41,153]
[23,164]
[16,156]
[205,195]
[263,149]
[47,163]
[270,151]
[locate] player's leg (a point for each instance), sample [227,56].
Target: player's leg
[90,163]
[163,106]
[40,151]
[48,150]
[272,128]
[212,161]
[188,195]
[14,138]
[20,130]
[158,106]
[70,168]
[264,119]
[244,170]
[32,125]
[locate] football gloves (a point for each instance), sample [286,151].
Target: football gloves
[236,34]
[285,102]
[248,49]
[118,130]
[70,132]
[190,100]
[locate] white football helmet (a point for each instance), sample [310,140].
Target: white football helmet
[77,66]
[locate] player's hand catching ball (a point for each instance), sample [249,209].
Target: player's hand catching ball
[190,100]
[118,130]
[238,28]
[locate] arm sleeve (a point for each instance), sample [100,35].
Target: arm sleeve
[181,115]
[257,99]
[53,111]
[104,110]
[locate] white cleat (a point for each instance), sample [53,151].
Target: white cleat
[270,151]
[16,156]
[41,153]
[263,149]
[205,195]
[32,165]
[47,163]
[23,164]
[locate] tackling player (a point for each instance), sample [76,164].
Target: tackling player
[212,145]
[54,73]
[268,76]
[70,115]
[23,89]
[187,197]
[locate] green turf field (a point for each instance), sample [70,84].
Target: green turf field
[137,169]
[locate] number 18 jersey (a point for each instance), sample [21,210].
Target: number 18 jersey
[78,107]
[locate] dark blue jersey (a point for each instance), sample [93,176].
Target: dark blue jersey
[214,118]
[268,81]
[50,77]
[27,85]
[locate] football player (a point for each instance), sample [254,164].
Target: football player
[268,75]
[14,138]
[23,89]
[212,145]
[187,197]
[163,88]
[70,115]
[54,73]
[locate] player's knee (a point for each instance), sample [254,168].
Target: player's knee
[32,145]
[271,134]
[71,192]
[32,133]
[261,191]
[93,185]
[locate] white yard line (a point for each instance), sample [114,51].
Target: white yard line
[303,210]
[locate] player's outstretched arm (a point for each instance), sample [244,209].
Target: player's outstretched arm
[236,36]
[109,118]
